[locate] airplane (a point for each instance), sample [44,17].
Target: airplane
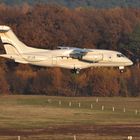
[64,57]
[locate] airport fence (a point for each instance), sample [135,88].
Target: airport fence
[96,105]
[67,137]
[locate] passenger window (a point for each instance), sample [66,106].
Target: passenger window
[118,55]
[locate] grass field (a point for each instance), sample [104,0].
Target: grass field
[59,118]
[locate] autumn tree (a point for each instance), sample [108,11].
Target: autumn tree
[4,87]
[49,26]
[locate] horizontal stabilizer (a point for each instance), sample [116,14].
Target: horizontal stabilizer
[7,56]
[4,28]
[16,58]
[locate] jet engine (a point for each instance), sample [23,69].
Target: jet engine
[92,57]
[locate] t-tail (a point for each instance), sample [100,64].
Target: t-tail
[15,49]
[11,43]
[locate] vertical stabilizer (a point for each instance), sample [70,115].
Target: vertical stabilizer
[10,41]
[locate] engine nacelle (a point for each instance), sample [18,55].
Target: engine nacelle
[92,57]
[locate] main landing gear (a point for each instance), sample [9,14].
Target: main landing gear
[75,71]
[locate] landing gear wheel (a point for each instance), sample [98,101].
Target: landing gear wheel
[121,68]
[121,71]
[75,71]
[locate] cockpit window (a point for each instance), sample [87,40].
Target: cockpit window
[120,55]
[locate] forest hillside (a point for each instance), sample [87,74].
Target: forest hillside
[114,29]
[79,3]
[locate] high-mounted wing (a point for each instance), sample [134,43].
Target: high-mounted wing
[76,53]
[74,49]
[86,55]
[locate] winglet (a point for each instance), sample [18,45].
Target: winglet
[4,28]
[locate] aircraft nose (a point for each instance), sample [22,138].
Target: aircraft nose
[130,62]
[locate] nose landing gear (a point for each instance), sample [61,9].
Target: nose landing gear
[121,68]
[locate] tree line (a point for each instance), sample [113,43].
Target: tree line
[49,26]
[79,3]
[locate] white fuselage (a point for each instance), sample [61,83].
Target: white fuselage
[61,58]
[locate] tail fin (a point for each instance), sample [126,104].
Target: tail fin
[11,43]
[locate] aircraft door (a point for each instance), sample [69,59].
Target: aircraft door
[97,57]
[107,57]
[54,61]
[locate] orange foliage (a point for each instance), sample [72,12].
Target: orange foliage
[48,26]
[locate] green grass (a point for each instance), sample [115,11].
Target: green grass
[41,111]
[34,112]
